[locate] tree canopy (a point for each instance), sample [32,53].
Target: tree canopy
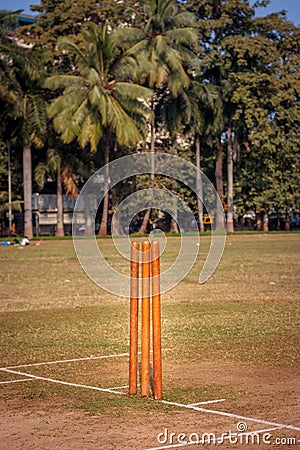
[208,79]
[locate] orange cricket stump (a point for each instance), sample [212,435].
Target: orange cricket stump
[134,310]
[145,379]
[156,322]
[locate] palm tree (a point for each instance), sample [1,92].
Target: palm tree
[96,100]
[23,113]
[164,52]
[59,167]
[204,117]
[195,112]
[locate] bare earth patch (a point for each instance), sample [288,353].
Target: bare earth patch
[266,394]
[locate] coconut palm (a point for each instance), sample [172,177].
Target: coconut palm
[164,49]
[204,122]
[23,111]
[58,166]
[95,99]
[196,112]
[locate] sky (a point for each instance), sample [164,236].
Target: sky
[291,6]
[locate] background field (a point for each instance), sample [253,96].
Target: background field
[234,338]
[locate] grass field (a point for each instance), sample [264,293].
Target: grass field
[234,338]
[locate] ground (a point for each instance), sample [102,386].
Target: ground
[231,345]
[264,394]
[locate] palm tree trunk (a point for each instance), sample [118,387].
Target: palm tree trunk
[199,186]
[287,222]
[259,221]
[152,150]
[219,185]
[146,218]
[174,220]
[27,188]
[103,226]
[88,218]
[60,212]
[230,223]
[265,222]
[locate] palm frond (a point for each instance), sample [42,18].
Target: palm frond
[63,81]
[130,36]
[186,36]
[40,175]
[68,45]
[69,179]
[183,20]
[127,132]
[90,133]
[54,160]
[133,91]
[35,120]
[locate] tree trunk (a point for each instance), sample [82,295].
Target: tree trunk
[219,171]
[27,188]
[104,219]
[265,222]
[219,186]
[287,224]
[152,150]
[230,222]
[88,218]
[199,186]
[143,228]
[60,211]
[146,218]
[174,226]
[174,220]
[259,222]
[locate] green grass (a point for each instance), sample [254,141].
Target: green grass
[248,312]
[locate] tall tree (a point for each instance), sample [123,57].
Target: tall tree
[95,101]
[63,18]
[219,21]
[195,112]
[267,99]
[164,49]
[21,76]
[58,165]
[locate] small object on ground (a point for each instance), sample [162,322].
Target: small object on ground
[25,241]
[5,244]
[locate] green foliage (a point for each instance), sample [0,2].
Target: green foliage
[210,66]
[94,99]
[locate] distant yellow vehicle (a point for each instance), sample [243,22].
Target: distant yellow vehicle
[208,220]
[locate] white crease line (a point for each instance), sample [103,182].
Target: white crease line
[206,403]
[66,361]
[51,380]
[226,414]
[120,387]
[15,381]
[116,355]
[123,387]
[180,405]
[219,440]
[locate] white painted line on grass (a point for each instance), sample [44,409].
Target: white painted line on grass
[208,402]
[226,414]
[52,380]
[120,387]
[219,440]
[112,391]
[123,387]
[88,358]
[15,381]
